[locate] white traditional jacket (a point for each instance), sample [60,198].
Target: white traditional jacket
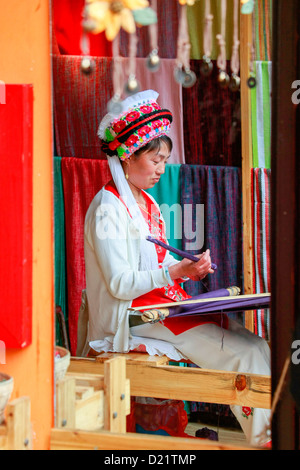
[112,256]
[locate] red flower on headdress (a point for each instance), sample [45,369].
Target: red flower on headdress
[146,109]
[132,116]
[166,122]
[119,126]
[156,124]
[131,140]
[144,130]
[156,106]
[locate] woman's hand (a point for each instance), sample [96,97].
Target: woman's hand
[194,270]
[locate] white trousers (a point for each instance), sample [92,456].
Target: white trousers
[234,349]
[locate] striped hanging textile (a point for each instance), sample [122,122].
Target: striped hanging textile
[263,30]
[212,125]
[261,223]
[167,194]
[219,190]
[59,245]
[261,114]
[80,101]
[82,179]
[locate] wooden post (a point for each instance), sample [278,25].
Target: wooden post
[65,403]
[18,425]
[245,56]
[115,393]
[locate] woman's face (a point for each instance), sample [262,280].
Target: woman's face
[145,170]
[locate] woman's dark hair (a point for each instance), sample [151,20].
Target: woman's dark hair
[155,144]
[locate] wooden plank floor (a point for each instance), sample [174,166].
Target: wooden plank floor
[226,435]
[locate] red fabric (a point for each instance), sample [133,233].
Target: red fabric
[212,123]
[67,18]
[82,179]
[167,415]
[80,101]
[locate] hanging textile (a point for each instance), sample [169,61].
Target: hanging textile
[261,114]
[59,245]
[261,214]
[81,100]
[263,30]
[196,15]
[218,190]
[167,27]
[82,179]
[167,194]
[212,127]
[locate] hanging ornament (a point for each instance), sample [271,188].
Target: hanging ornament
[132,86]
[182,72]
[153,60]
[87,63]
[251,81]
[206,66]
[114,106]
[223,77]
[234,83]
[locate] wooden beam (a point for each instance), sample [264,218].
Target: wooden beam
[192,384]
[103,440]
[246,135]
[18,424]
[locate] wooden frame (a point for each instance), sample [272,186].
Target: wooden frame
[151,376]
[15,433]
[246,134]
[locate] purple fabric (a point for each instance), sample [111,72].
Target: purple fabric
[233,304]
[218,189]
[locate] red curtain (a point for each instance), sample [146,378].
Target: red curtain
[82,179]
[67,18]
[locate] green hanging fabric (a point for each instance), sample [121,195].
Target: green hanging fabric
[59,246]
[261,115]
[167,194]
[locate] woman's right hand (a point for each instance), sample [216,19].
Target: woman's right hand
[195,270]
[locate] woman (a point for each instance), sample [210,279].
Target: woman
[123,269]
